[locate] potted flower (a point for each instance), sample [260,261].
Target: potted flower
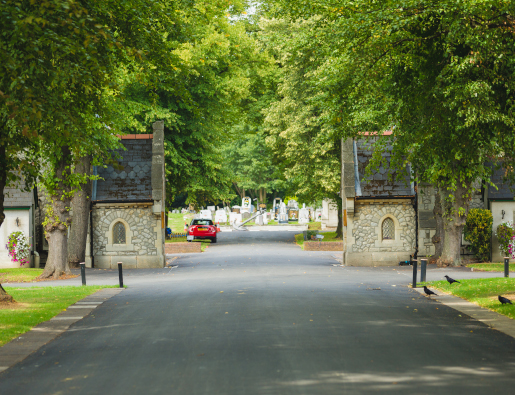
[18,248]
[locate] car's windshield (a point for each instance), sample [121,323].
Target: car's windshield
[201,222]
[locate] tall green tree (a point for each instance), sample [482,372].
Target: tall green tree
[440,75]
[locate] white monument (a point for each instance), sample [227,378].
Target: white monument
[205,214]
[329,214]
[246,202]
[220,216]
[303,215]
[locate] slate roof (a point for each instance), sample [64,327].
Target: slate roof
[132,180]
[379,184]
[17,197]
[503,191]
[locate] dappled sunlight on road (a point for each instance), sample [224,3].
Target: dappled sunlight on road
[412,381]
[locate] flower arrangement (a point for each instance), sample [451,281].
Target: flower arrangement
[18,247]
[506,236]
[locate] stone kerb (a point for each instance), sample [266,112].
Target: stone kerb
[177,248]
[323,246]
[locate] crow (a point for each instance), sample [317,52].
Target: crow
[428,291]
[451,280]
[504,300]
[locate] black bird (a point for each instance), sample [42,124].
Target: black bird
[504,300]
[428,291]
[451,280]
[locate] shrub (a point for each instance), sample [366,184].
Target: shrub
[505,234]
[478,231]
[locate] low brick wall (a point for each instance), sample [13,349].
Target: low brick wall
[323,246]
[177,248]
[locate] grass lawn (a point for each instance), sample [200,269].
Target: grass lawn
[35,305]
[176,221]
[19,275]
[205,243]
[328,236]
[315,226]
[483,292]
[490,267]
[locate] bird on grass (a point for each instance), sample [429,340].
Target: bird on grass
[504,300]
[428,291]
[451,280]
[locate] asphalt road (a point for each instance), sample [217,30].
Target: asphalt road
[256,315]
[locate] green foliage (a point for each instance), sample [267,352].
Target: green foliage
[505,233]
[478,231]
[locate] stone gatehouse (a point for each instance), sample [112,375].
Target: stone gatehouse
[128,206]
[379,211]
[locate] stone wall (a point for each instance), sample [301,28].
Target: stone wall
[368,218]
[143,241]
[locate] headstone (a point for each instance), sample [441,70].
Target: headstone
[303,215]
[211,208]
[245,215]
[252,208]
[220,216]
[235,217]
[205,214]
[236,209]
[283,214]
[259,219]
[265,218]
[246,202]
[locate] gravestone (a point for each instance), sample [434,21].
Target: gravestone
[303,215]
[236,209]
[259,219]
[245,204]
[205,214]
[283,214]
[235,218]
[220,216]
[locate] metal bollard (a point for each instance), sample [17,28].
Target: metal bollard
[120,274]
[414,263]
[83,272]
[423,266]
[506,267]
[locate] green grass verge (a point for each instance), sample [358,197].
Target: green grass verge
[483,292]
[490,267]
[19,275]
[176,221]
[35,305]
[328,236]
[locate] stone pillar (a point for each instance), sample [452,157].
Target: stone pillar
[348,191]
[158,186]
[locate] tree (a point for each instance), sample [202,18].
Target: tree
[57,63]
[440,74]
[304,149]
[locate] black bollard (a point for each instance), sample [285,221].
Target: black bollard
[414,263]
[120,274]
[83,272]
[423,265]
[506,267]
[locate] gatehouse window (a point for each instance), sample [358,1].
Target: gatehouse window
[119,233]
[388,229]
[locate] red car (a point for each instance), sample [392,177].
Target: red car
[202,229]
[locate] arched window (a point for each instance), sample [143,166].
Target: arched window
[119,233]
[388,229]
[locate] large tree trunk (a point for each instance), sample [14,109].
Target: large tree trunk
[455,210]
[440,232]
[57,222]
[80,209]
